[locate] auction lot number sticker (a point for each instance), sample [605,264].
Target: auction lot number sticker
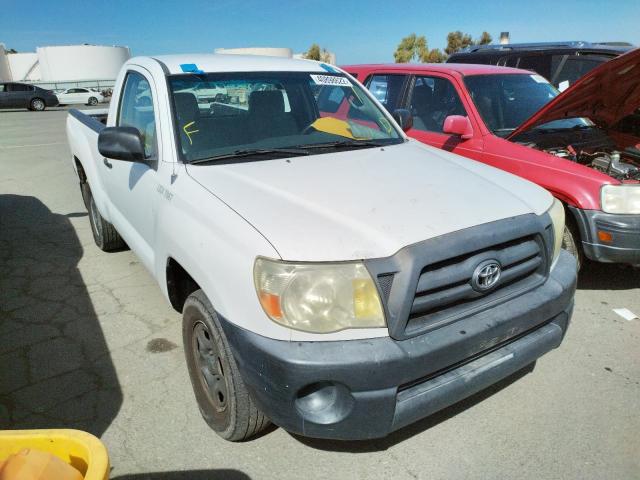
[331,80]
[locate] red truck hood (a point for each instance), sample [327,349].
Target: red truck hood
[605,95]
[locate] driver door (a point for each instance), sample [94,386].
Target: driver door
[133,186]
[431,100]
[3,95]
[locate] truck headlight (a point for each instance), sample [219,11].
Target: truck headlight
[620,198]
[556,212]
[318,297]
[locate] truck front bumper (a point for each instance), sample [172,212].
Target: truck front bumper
[624,230]
[360,389]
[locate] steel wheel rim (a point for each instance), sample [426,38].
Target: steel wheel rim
[97,226]
[38,104]
[209,364]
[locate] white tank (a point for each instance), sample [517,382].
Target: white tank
[24,66]
[81,62]
[266,51]
[5,73]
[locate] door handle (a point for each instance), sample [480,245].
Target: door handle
[107,163]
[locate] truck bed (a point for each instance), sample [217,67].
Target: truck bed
[94,119]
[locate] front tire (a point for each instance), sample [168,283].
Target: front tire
[105,235]
[223,399]
[571,243]
[37,105]
[92,101]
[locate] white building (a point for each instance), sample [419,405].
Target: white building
[266,51]
[270,52]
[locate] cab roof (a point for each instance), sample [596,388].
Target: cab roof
[461,68]
[236,63]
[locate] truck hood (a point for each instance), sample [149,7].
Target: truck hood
[605,95]
[366,203]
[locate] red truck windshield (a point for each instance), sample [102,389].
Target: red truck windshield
[506,101]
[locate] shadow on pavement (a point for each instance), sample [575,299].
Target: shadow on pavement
[381,444]
[608,276]
[188,475]
[55,368]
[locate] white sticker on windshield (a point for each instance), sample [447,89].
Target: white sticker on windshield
[331,80]
[539,79]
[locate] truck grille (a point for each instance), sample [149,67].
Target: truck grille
[430,284]
[445,293]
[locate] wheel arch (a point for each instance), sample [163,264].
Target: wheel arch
[180,284]
[82,175]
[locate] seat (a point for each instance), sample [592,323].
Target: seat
[422,109]
[186,107]
[188,116]
[486,108]
[267,117]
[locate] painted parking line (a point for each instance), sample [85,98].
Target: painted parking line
[9,147]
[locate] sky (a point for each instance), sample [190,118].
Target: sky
[356,31]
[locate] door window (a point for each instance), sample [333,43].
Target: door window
[18,87]
[1,87]
[136,110]
[432,100]
[536,63]
[387,89]
[569,68]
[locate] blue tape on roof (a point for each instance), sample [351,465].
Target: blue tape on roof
[190,68]
[328,68]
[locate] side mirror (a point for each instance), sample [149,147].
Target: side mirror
[121,143]
[458,125]
[404,118]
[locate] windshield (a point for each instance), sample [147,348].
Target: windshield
[233,114]
[506,101]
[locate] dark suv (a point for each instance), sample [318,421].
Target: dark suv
[562,63]
[22,95]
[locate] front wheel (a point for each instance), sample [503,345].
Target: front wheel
[92,101]
[37,105]
[571,243]
[223,399]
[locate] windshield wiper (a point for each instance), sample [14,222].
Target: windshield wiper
[343,144]
[250,153]
[560,130]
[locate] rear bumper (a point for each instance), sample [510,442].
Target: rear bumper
[624,229]
[51,101]
[368,388]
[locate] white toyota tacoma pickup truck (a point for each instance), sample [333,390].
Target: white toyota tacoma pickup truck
[334,277]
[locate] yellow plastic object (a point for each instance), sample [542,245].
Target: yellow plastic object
[80,449]
[333,125]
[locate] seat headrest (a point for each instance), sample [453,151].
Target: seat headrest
[186,106]
[268,102]
[422,97]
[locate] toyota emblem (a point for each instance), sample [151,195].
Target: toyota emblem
[486,276]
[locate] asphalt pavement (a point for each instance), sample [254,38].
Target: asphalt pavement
[87,341]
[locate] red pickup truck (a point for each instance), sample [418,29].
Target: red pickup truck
[515,120]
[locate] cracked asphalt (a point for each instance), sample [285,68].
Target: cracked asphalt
[87,341]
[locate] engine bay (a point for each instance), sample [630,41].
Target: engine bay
[621,165]
[592,148]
